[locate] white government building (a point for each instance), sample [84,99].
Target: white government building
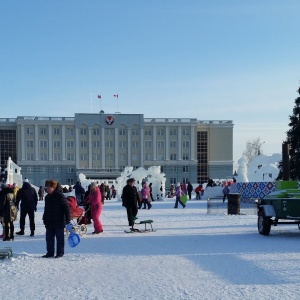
[102,145]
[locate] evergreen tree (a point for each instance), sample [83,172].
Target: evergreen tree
[293,138]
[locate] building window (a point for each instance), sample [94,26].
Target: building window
[135,157]
[29,170]
[83,131]
[185,156]
[173,169]
[43,144]
[29,156]
[173,156]
[148,144]
[109,131]
[29,144]
[43,170]
[96,144]
[135,144]
[96,156]
[29,131]
[148,157]
[134,132]
[83,156]
[56,131]
[43,131]
[173,144]
[173,132]
[185,180]
[185,144]
[122,157]
[148,132]
[56,144]
[56,156]
[70,156]
[96,131]
[185,169]
[70,181]
[185,131]
[123,144]
[83,144]
[70,144]
[56,170]
[70,131]
[161,144]
[173,180]
[43,156]
[160,131]
[70,170]
[109,144]
[122,131]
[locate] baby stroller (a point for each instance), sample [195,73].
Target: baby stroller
[77,216]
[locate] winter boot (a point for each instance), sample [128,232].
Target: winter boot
[32,233]
[21,232]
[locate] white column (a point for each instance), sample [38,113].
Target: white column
[36,141]
[90,149]
[103,147]
[142,146]
[167,146]
[154,143]
[22,142]
[192,133]
[129,147]
[77,148]
[50,146]
[179,152]
[63,142]
[116,149]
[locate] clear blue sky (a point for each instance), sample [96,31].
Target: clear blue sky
[211,60]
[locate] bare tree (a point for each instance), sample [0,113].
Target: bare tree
[253,148]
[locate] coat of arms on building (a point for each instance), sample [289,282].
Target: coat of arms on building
[109,120]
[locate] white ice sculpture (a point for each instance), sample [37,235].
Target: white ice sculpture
[242,169]
[151,175]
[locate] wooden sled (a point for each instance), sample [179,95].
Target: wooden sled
[145,222]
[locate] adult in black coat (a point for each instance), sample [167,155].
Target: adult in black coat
[8,211]
[29,199]
[56,216]
[190,189]
[130,200]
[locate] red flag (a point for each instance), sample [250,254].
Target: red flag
[99,96]
[116,96]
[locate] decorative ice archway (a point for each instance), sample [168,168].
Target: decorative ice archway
[151,175]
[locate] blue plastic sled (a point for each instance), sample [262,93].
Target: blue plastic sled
[73,238]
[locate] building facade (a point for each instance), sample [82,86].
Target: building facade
[101,145]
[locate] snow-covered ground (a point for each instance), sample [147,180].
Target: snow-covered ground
[192,255]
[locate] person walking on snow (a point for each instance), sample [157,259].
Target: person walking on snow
[178,194]
[29,199]
[145,196]
[189,190]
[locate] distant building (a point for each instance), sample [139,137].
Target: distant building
[101,145]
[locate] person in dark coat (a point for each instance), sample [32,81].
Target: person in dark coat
[56,216]
[189,190]
[150,191]
[8,211]
[79,192]
[41,193]
[130,200]
[28,198]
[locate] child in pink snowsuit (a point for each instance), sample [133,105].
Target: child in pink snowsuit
[94,199]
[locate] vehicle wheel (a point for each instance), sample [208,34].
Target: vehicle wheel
[82,229]
[263,224]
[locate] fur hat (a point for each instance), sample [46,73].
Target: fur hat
[51,183]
